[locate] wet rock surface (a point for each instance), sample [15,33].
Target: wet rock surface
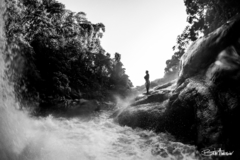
[202,106]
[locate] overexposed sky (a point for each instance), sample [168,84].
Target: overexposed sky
[142,31]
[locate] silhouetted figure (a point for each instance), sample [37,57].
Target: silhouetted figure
[147,83]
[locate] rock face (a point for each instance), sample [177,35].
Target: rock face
[202,107]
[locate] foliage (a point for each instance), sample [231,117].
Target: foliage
[56,54]
[204,16]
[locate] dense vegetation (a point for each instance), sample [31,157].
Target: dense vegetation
[204,16]
[56,54]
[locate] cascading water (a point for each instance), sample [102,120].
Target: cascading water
[95,138]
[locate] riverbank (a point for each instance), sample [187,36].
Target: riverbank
[203,106]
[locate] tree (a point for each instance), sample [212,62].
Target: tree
[204,16]
[60,52]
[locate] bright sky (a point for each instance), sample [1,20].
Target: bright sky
[142,31]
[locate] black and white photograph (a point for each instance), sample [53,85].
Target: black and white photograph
[119,79]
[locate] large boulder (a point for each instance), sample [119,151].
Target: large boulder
[202,107]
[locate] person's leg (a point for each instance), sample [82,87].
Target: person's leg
[147,88]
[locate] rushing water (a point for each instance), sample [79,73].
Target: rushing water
[96,137]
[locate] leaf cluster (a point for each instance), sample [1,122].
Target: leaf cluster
[56,54]
[204,16]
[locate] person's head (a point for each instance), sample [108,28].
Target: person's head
[146,71]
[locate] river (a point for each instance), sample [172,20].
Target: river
[96,137]
[93,137]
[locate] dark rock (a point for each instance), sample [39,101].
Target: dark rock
[203,107]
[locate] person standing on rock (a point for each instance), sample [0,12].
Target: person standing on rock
[147,83]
